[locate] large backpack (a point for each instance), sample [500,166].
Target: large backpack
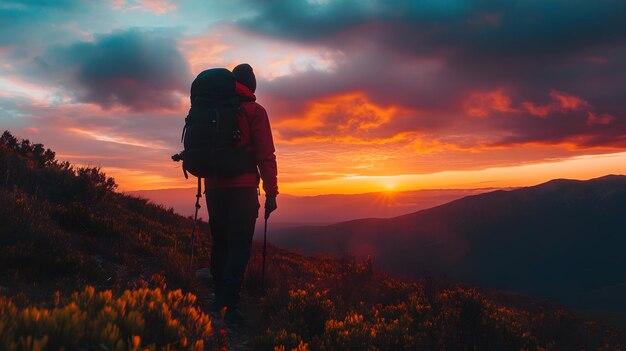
[211,130]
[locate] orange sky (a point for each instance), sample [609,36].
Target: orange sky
[384,97]
[581,167]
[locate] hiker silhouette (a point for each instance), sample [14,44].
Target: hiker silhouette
[232,199]
[228,142]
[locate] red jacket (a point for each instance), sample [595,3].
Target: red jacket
[256,132]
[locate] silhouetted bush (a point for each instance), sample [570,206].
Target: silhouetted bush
[57,221]
[34,170]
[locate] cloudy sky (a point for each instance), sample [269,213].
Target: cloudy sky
[362,95]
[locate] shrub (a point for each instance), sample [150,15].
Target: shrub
[65,227]
[146,319]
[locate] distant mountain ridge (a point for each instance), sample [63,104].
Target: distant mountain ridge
[563,240]
[328,208]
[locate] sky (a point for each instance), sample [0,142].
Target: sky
[362,95]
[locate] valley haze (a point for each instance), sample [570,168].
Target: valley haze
[324,209]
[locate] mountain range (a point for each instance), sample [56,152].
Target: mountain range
[563,240]
[325,209]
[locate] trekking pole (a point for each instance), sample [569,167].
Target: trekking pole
[193,231]
[264,254]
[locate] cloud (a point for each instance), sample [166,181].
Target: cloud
[604,118]
[454,59]
[514,30]
[346,118]
[140,70]
[471,73]
[561,102]
[481,104]
[565,119]
[435,102]
[115,139]
[418,84]
[305,20]
[224,45]
[158,7]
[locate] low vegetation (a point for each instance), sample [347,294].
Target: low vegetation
[323,304]
[138,319]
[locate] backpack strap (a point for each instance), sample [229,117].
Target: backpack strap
[182,137]
[242,111]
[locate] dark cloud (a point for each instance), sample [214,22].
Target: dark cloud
[430,56]
[483,28]
[304,20]
[582,128]
[434,101]
[485,42]
[385,79]
[533,45]
[137,69]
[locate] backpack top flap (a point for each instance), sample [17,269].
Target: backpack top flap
[214,87]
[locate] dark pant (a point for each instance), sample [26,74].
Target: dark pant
[232,216]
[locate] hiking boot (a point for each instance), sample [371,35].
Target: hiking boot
[233,317]
[216,306]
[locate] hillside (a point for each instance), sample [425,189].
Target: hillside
[562,240]
[84,267]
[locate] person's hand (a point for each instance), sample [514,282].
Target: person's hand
[270,205]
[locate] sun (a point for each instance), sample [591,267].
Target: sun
[389,187]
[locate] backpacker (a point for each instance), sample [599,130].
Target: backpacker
[211,130]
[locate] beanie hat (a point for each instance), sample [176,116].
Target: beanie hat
[244,75]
